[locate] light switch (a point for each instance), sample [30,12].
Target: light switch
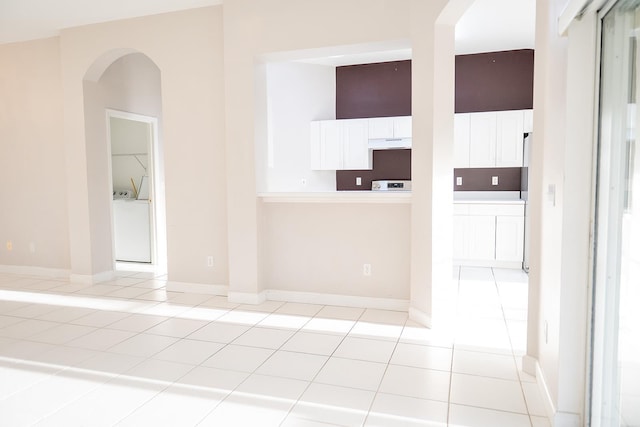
[458,180]
[494,180]
[358,180]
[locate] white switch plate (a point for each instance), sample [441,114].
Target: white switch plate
[551,194]
[458,180]
[358,180]
[494,180]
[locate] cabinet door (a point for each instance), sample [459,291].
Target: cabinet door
[381,127]
[355,142]
[461,141]
[330,145]
[510,137]
[482,140]
[460,247]
[510,238]
[402,127]
[481,237]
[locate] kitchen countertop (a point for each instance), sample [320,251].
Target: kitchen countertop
[490,201]
[398,197]
[338,197]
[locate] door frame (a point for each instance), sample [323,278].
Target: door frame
[600,300]
[153,168]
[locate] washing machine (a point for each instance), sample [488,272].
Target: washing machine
[132,228]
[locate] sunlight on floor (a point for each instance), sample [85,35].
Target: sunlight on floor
[127,352]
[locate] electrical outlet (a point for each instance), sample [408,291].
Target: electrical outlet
[210,261]
[458,180]
[303,181]
[366,269]
[494,180]
[358,180]
[9,245]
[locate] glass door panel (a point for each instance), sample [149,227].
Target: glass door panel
[615,397]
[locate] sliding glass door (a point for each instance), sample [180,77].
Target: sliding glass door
[615,377]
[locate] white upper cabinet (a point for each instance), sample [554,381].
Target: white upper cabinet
[402,127]
[461,140]
[355,139]
[510,138]
[528,121]
[339,144]
[490,139]
[381,128]
[482,140]
[390,127]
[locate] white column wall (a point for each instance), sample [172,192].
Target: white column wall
[561,159]
[256,29]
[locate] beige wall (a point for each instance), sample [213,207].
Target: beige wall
[209,119]
[131,84]
[254,29]
[321,248]
[564,107]
[32,164]
[187,49]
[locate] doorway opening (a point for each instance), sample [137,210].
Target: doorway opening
[136,226]
[125,161]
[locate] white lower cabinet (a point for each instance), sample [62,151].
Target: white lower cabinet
[481,238]
[488,235]
[510,238]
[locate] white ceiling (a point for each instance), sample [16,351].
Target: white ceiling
[493,25]
[488,25]
[33,19]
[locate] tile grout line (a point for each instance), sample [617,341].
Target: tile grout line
[375,395]
[325,362]
[453,345]
[504,318]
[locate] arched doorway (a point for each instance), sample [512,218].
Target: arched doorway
[122,89]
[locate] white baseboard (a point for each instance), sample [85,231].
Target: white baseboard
[567,419]
[26,270]
[530,365]
[420,317]
[549,407]
[338,300]
[247,297]
[197,288]
[88,279]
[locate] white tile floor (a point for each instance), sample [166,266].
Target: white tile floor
[128,353]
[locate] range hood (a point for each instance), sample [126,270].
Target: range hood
[389,143]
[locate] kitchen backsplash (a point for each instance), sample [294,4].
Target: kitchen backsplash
[396,164]
[387,164]
[481,179]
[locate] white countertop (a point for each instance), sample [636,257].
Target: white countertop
[378,197]
[338,197]
[489,202]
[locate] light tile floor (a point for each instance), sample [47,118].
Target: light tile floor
[127,353]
